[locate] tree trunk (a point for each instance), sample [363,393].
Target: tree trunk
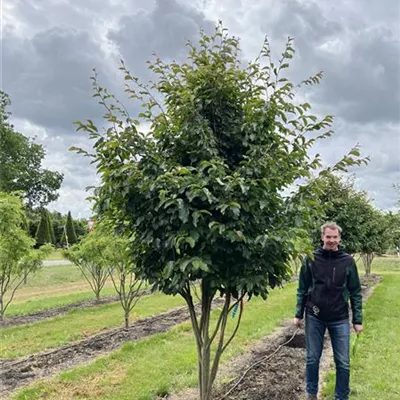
[126,314]
[367,261]
[1,309]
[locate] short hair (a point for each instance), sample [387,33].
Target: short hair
[331,225]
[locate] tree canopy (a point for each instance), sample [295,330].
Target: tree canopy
[21,164]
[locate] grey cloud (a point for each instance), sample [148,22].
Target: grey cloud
[49,55]
[47,76]
[163,30]
[381,143]
[361,61]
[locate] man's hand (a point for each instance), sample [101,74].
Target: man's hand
[357,328]
[298,322]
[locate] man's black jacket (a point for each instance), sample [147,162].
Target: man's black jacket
[326,284]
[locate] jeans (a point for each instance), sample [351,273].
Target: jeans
[339,332]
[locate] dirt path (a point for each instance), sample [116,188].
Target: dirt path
[18,373]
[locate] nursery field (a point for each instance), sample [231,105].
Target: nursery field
[58,343]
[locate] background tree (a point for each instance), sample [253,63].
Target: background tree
[18,259]
[202,191]
[90,256]
[365,229]
[43,235]
[302,245]
[51,228]
[21,164]
[121,268]
[375,237]
[345,205]
[393,224]
[69,235]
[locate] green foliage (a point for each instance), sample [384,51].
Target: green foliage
[69,232]
[202,191]
[17,257]
[91,256]
[58,222]
[393,222]
[51,228]
[43,235]
[347,207]
[365,229]
[302,245]
[20,164]
[122,269]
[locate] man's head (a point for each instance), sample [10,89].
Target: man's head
[330,236]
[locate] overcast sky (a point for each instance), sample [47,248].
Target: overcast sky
[49,48]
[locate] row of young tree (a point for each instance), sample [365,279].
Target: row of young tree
[101,255]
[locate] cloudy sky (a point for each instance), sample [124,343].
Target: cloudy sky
[49,48]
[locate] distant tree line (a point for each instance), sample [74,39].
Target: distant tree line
[52,227]
[21,173]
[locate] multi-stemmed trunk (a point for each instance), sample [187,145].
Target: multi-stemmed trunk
[367,261]
[127,287]
[96,275]
[10,283]
[205,334]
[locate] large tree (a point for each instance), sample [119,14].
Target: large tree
[21,164]
[203,190]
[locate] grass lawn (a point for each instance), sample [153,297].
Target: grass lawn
[53,275]
[77,324]
[56,254]
[51,287]
[162,363]
[55,297]
[375,363]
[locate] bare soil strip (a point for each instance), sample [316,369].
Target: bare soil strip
[282,376]
[54,312]
[17,373]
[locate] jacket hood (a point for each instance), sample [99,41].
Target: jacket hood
[325,253]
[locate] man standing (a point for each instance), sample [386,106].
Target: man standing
[326,284]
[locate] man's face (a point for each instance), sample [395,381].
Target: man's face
[331,239]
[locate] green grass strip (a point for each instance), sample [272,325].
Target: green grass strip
[162,363]
[77,324]
[45,303]
[56,255]
[53,275]
[375,364]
